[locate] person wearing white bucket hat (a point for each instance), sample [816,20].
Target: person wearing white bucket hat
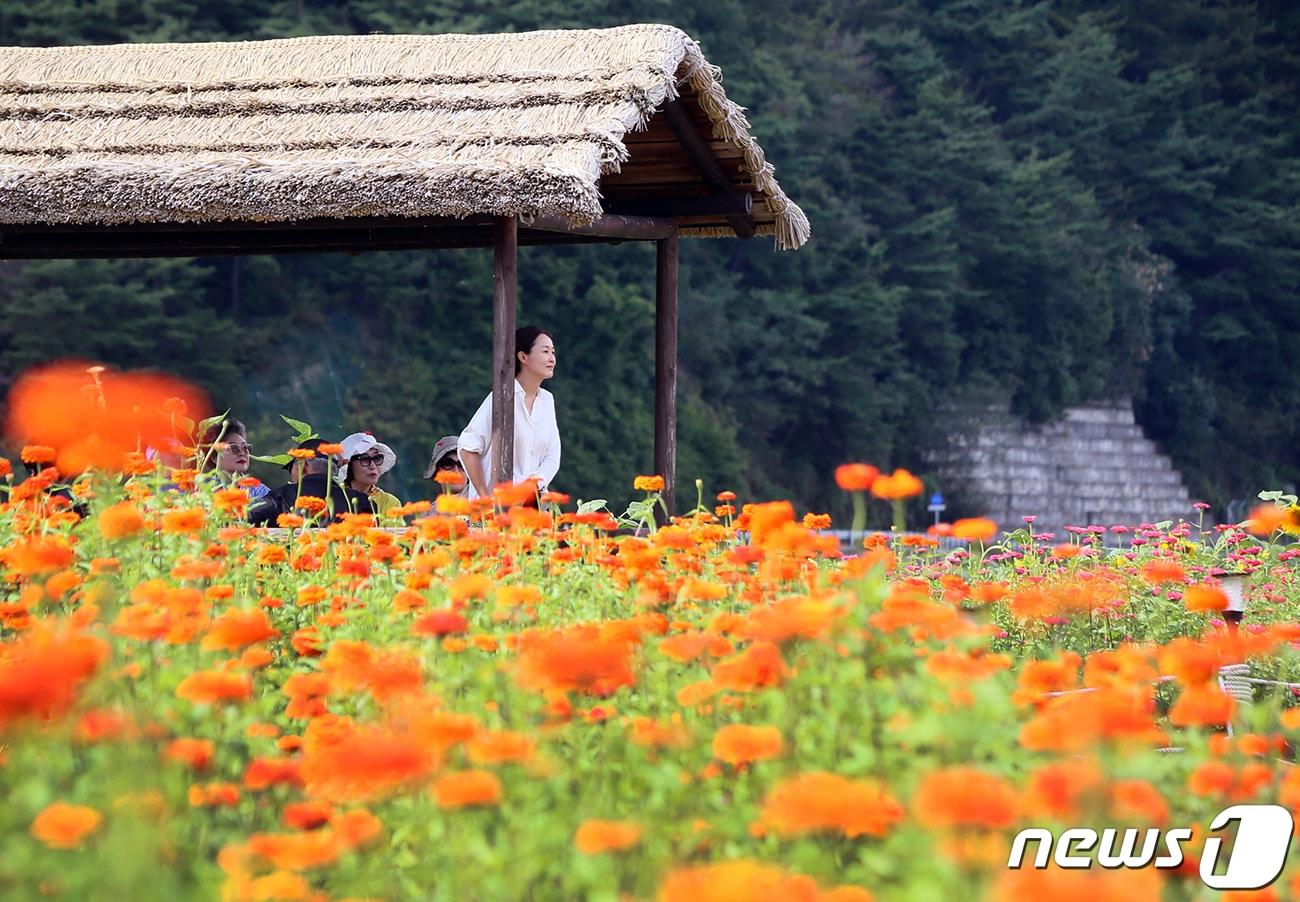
[362,462]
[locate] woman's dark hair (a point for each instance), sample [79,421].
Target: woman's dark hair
[221,431]
[525,338]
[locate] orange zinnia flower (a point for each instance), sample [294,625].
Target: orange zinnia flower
[766,520]
[230,501]
[460,789]
[975,529]
[741,743]
[37,454]
[347,762]
[307,815]
[900,484]
[1212,778]
[686,647]
[648,483]
[196,754]
[1204,597]
[1266,519]
[757,667]
[822,801]
[119,521]
[93,417]
[263,773]
[595,836]
[38,555]
[1163,571]
[1076,721]
[1137,801]
[1202,705]
[214,795]
[1055,790]
[656,734]
[64,826]
[310,504]
[297,851]
[207,687]
[1190,661]
[795,617]
[497,746]
[581,659]
[816,521]
[442,622]
[850,477]
[744,880]
[987,593]
[1037,678]
[468,587]
[41,672]
[187,521]
[237,628]
[963,667]
[965,797]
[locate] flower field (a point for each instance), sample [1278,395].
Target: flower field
[500,702]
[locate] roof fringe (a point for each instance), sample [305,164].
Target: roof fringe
[445,125]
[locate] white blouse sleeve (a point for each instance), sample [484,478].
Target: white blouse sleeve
[550,463]
[478,434]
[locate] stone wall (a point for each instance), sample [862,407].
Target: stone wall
[1094,466]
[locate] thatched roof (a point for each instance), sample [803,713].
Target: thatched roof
[345,127]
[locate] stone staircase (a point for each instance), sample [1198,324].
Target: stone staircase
[1094,466]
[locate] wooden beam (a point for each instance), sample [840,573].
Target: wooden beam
[737,203]
[704,161]
[505,270]
[666,369]
[627,228]
[236,243]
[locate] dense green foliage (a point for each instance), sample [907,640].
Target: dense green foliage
[1048,202]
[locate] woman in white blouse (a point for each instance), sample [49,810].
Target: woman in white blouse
[537,438]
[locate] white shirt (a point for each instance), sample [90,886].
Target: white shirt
[537,438]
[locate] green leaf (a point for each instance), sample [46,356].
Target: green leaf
[280,460]
[208,422]
[590,507]
[303,431]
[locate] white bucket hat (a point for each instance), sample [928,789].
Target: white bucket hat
[360,443]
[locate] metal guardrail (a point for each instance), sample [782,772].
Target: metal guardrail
[851,540]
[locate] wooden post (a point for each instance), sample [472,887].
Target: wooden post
[666,369]
[505,270]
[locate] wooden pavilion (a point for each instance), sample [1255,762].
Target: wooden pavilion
[388,142]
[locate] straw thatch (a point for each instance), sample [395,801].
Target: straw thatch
[381,125]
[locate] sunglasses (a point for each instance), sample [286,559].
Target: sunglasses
[239,449]
[448,463]
[372,460]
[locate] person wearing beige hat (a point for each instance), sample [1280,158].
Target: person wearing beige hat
[362,462]
[447,459]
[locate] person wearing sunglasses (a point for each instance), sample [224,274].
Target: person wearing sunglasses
[362,462]
[224,451]
[307,478]
[446,460]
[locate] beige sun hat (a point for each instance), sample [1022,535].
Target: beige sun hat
[360,443]
[445,445]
